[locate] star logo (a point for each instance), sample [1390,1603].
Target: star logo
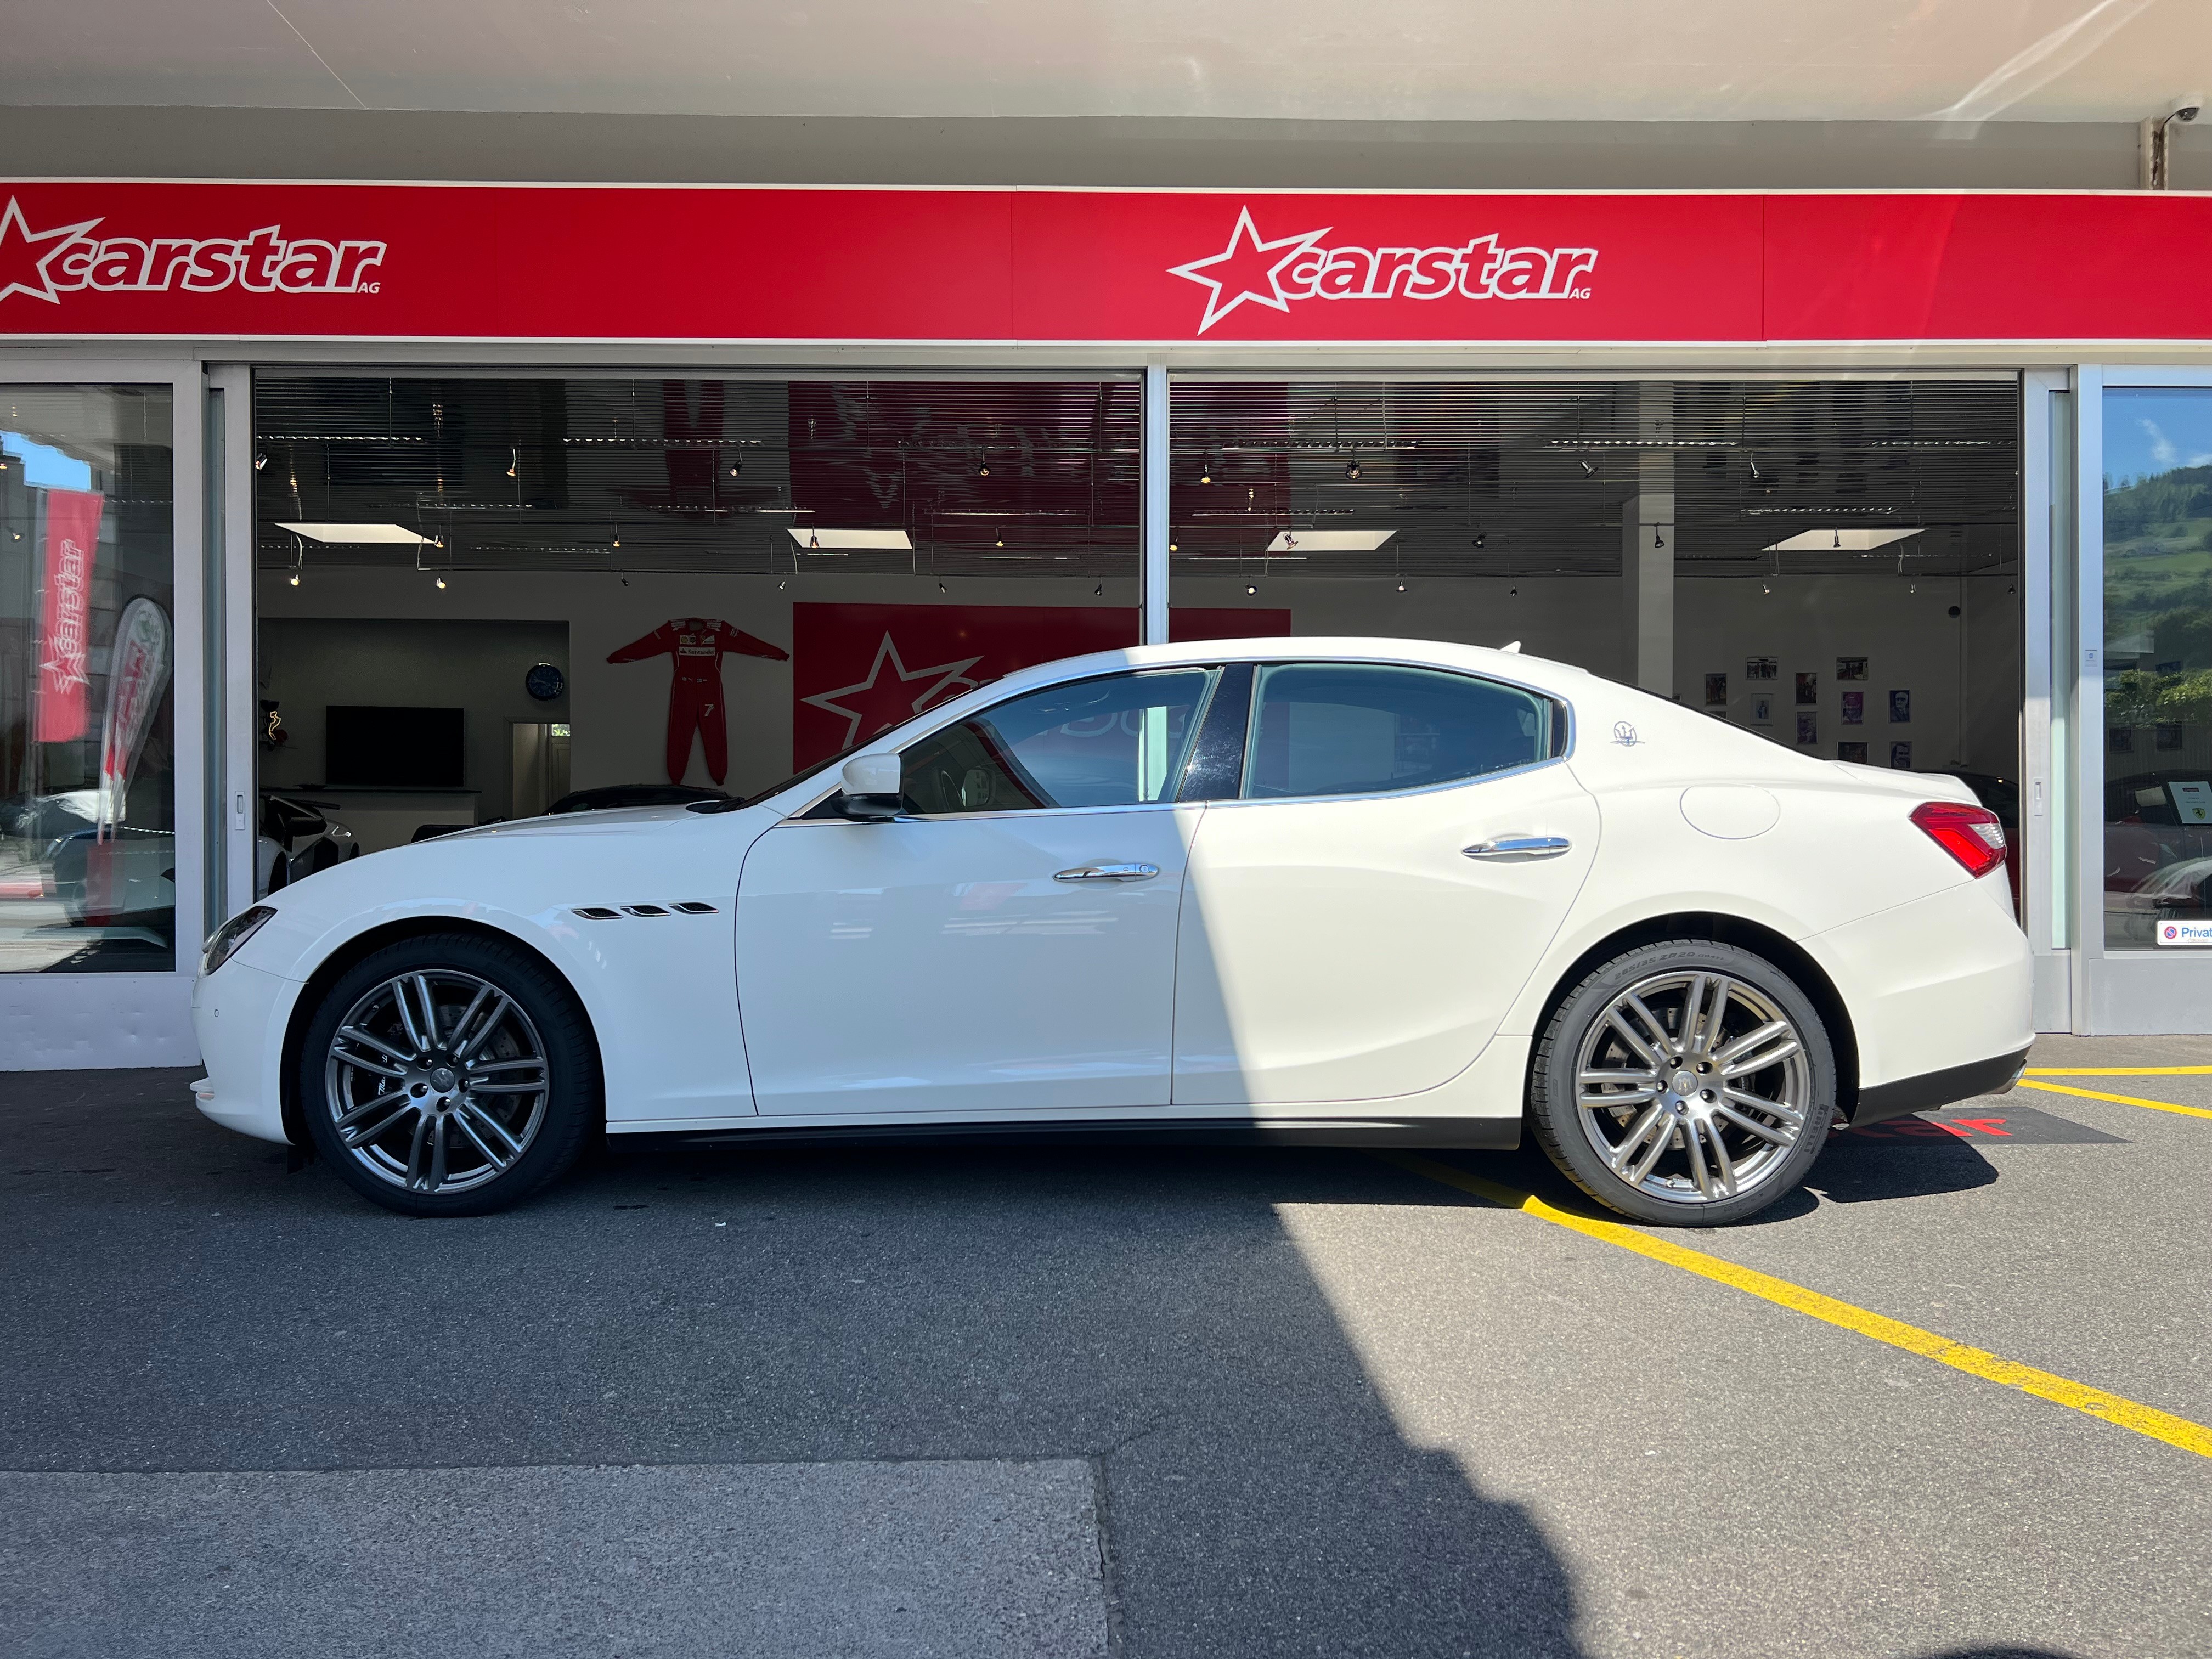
[877,704]
[1245,269]
[22,266]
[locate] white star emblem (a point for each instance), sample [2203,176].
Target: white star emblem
[888,704]
[1248,266]
[19,258]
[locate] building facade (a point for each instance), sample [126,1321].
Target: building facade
[338,513]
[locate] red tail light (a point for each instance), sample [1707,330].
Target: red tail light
[1970,834]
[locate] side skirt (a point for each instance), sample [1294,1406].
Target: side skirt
[1488,1134]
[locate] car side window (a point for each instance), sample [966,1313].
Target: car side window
[1324,728]
[1120,740]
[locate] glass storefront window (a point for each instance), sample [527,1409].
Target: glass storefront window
[2158,667]
[88,777]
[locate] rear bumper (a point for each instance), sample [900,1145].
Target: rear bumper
[1930,1089]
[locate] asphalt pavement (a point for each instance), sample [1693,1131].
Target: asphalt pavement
[1155,1402]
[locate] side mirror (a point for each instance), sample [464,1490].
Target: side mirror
[872,788]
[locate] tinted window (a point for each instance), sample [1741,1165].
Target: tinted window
[1353,728]
[1111,742]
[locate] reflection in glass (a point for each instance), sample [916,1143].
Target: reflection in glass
[2158,667]
[88,787]
[1118,741]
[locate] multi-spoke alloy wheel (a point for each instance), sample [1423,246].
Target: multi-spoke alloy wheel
[1688,1081]
[436,1081]
[448,1075]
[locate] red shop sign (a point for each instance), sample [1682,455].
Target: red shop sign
[102,260]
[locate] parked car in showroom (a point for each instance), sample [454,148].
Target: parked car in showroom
[1352,891]
[297,838]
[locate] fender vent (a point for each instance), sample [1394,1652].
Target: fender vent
[646,909]
[597,913]
[695,908]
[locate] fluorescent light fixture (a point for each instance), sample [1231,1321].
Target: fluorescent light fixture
[355,533]
[845,541]
[1838,541]
[1328,541]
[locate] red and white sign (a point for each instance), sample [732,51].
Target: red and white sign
[857,670]
[613,263]
[137,675]
[64,623]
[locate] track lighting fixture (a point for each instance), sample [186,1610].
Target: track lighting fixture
[1206,470]
[1763,588]
[737,467]
[1756,476]
[984,467]
[1250,589]
[1401,588]
[441,582]
[781,583]
[1171,547]
[1002,542]
[813,541]
[1352,472]
[1839,539]
[1478,539]
[1588,471]
[514,462]
[1657,540]
[942,588]
[260,461]
[1512,592]
[1099,592]
[295,579]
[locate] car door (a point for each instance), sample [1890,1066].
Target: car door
[1008,943]
[1402,848]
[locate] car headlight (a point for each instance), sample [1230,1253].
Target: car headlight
[233,934]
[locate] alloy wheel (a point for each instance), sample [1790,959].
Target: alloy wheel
[436,1081]
[1693,1086]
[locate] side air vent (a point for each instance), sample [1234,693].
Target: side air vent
[646,909]
[695,908]
[597,913]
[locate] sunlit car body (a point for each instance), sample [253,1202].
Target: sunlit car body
[1357,891]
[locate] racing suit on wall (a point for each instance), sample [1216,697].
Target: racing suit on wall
[695,693]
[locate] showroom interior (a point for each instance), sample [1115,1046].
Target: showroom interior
[1833,563]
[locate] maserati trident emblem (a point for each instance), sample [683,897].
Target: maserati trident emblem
[1624,734]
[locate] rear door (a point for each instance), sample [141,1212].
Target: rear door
[1402,848]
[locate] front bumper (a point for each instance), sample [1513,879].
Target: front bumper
[238,1012]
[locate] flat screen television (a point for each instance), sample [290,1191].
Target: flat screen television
[365,745]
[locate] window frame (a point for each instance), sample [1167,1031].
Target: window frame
[1562,746]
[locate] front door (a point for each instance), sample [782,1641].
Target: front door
[1358,922]
[1009,945]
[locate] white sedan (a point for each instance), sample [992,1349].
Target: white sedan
[1359,892]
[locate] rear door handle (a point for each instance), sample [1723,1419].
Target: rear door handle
[1519,847]
[1109,873]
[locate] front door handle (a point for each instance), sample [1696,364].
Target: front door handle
[1519,847]
[1109,873]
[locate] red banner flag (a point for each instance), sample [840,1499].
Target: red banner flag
[65,624]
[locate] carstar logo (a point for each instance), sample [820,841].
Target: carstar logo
[45,264]
[1274,272]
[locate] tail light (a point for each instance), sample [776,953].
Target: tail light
[1970,834]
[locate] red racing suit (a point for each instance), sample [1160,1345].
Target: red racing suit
[695,694]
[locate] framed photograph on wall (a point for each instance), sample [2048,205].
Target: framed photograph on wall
[1808,687]
[1900,708]
[1900,757]
[1762,710]
[1850,668]
[1716,690]
[1855,709]
[1762,668]
[1808,727]
[1854,752]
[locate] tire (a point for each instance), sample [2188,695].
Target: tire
[437,1114]
[1726,1125]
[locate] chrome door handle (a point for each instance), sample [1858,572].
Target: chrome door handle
[1519,847]
[1109,873]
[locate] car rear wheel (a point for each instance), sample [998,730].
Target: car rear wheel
[449,1075]
[1687,1083]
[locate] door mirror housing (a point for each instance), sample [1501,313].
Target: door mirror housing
[872,788]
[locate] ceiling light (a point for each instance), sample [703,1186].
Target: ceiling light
[1206,470]
[942,588]
[514,462]
[1657,540]
[1401,588]
[983,468]
[1099,592]
[1845,541]
[1249,588]
[1352,472]
[1588,471]
[1479,538]
[1171,547]
[295,579]
[847,540]
[1512,592]
[355,533]
[441,581]
[737,467]
[260,461]
[1330,541]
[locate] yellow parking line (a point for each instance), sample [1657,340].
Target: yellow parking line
[2118,1071]
[2123,1100]
[2095,1402]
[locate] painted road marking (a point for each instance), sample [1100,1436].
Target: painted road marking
[2118,1071]
[1975,1362]
[2020,1126]
[2123,1100]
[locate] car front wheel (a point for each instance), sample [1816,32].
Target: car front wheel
[449,1075]
[1686,1083]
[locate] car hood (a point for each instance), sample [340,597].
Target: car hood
[608,822]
